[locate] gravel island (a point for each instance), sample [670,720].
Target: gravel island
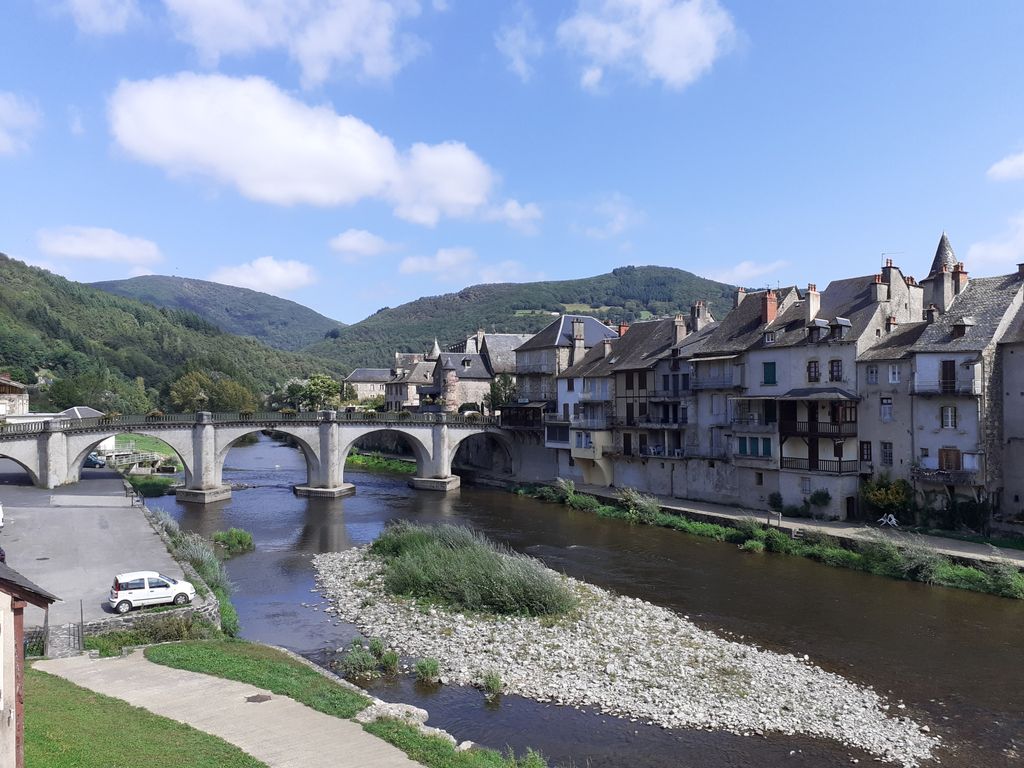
[628,658]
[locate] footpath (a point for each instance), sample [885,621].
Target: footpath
[272,728]
[961,550]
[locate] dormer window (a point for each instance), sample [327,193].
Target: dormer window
[769,337]
[818,330]
[961,326]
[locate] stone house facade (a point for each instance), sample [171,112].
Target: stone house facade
[13,397]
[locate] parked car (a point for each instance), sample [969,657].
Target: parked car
[94,460]
[139,588]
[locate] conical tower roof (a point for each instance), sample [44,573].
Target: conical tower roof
[944,257]
[435,351]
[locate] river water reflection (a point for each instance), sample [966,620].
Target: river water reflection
[954,657]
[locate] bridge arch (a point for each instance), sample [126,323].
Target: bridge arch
[80,445]
[460,439]
[421,450]
[27,463]
[306,438]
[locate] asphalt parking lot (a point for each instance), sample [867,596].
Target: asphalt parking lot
[73,540]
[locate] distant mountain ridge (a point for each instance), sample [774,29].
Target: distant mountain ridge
[624,294]
[276,322]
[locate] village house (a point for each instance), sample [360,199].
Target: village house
[368,383]
[13,397]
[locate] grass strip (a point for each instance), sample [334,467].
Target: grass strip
[150,486]
[379,463]
[261,666]
[152,629]
[436,752]
[70,727]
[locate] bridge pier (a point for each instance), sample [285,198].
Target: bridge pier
[203,485]
[438,475]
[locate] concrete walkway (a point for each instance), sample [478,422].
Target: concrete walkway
[280,731]
[965,550]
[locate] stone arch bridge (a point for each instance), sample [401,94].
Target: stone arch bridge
[52,451]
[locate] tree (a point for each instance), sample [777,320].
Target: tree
[228,395]
[320,392]
[348,393]
[192,392]
[502,392]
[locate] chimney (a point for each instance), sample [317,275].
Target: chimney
[1020,270]
[741,294]
[891,323]
[623,327]
[959,278]
[931,313]
[942,289]
[909,280]
[699,315]
[579,346]
[812,301]
[479,340]
[879,290]
[769,306]
[607,347]
[679,329]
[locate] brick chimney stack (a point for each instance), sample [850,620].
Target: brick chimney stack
[931,313]
[769,306]
[812,302]
[959,278]
[699,315]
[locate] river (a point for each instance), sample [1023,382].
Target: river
[956,658]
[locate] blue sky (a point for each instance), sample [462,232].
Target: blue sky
[353,154]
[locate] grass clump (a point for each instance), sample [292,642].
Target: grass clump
[358,662]
[436,752]
[379,463]
[491,683]
[752,545]
[263,667]
[155,629]
[70,727]
[428,671]
[389,662]
[640,508]
[150,486]
[459,568]
[235,541]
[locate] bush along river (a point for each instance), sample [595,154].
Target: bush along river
[914,664]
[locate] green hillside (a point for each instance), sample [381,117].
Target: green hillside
[276,322]
[127,352]
[625,294]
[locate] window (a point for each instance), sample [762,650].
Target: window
[642,378]
[813,371]
[759,478]
[769,337]
[570,385]
[128,586]
[865,450]
[627,444]
[948,416]
[768,374]
[158,584]
[894,373]
[835,370]
[950,460]
[886,409]
[643,409]
[664,381]
[753,446]
[837,449]
[741,446]
[872,374]
[887,454]
[805,485]
[766,446]
[629,381]
[924,453]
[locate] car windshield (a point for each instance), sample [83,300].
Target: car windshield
[167,578]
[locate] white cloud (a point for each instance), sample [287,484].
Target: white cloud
[673,41]
[520,43]
[746,272]
[999,253]
[516,215]
[267,274]
[616,214]
[1010,168]
[322,36]
[103,17]
[446,264]
[98,244]
[355,244]
[18,120]
[508,271]
[275,149]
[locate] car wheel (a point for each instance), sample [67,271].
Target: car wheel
[123,607]
[180,599]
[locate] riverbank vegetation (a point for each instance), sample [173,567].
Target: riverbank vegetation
[234,541]
[152,629]
[905,558]
[150,486]
[269,668]
[70,727]
[462,569]
[380,463]
[199,553]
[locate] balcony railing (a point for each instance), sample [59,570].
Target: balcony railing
[556,418]
[599,422]
[654,422]
[596,396]
[827,466]
[545,367]
[819,428]
[669,394]
[947,476]
[592,452]
[753,422]
[945,387]
[715,382]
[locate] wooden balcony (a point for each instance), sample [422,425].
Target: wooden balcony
[825,466]
[818,428]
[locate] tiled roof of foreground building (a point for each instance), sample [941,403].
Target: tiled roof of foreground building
[559,333]
[977,312]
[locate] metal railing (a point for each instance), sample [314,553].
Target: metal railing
[598,396]
[828,466]
[819,428]
[670,394]
[945,387]
[947,476]
[600,422]
[654,422]
[715,382]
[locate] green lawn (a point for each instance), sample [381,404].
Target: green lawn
[144,444]
[71,727]
[261,666]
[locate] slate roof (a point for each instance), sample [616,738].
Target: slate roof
[9,576]
[467,364]
[986,300]
[1015,333]
[500,350]
[895,345]
[559,333]
[742,328]
[420,373]
[944,256]
[407,359]
[79,412]
[375,375]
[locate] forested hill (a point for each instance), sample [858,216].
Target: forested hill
[625,294]
[276,322]
[66,330]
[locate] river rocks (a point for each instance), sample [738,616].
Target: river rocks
[629,658]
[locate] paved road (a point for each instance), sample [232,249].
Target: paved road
[279,731]
[961,549]
[73,540]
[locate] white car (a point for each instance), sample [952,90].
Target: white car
[138,588]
